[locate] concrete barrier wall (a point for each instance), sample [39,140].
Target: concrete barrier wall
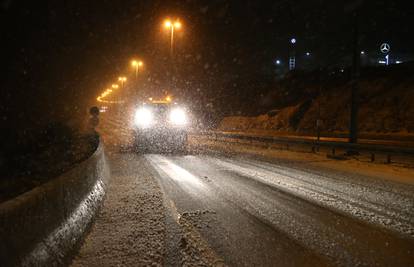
[44,226]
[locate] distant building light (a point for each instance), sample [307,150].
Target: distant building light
[308,53]
[398,62]
[293,41]
[362,52]
[381,61]
[341,70]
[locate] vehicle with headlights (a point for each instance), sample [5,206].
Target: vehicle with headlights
[160,125]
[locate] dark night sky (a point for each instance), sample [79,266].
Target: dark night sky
[59,55]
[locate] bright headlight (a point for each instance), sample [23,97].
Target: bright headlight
[178,116]
[143,117]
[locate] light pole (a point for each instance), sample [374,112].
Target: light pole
[172,26]
[354,7]
[292,55]
[356,62]
[176,25]
[136,64]
[122,79]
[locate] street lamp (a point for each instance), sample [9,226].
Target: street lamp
[292,54]
[122,79]
[176,25]
[136,64]
[115,86]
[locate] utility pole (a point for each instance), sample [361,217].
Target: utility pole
[353,125]
[354,8]
[318,115]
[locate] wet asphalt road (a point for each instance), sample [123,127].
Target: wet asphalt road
[258,213]
[246,211]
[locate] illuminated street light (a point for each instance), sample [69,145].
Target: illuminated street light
[292,54]
[136,64]
[122,79]
[176,25]
[108,91]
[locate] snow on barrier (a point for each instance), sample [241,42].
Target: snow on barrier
[372,146]
[42,227]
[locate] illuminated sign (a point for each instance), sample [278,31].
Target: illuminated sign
[385,48]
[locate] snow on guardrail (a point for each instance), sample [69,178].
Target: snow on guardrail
[374,146]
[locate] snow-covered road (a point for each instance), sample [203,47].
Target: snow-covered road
[212,208]
[258,213]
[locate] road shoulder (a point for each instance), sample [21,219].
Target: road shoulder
[130,229]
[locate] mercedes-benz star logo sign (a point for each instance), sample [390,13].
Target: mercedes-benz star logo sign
[385,48]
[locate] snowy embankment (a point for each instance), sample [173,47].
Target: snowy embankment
[386,106]
[288,121]
[275,120]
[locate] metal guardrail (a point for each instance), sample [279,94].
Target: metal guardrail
[371,147]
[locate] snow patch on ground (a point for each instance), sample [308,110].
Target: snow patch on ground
[195,251]
[130,229]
